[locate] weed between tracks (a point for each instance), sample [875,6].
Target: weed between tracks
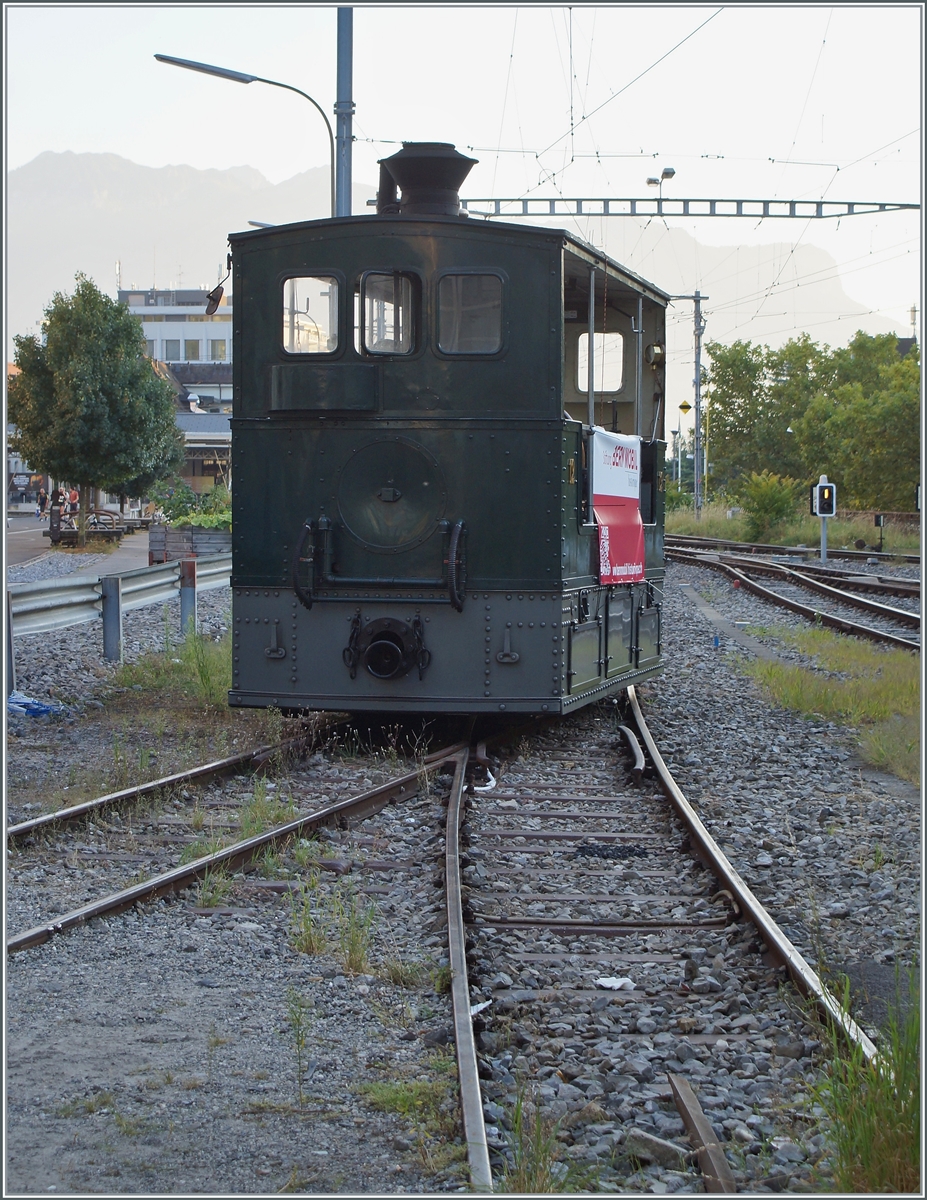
[873,1111]
[533,1164]
[429,1103]
[341,918]
[874,689]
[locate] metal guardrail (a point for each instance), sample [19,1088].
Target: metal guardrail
[77,599]
[55,603]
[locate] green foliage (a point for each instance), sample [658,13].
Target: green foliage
[182,506]
[175,498]
[768,502]
[867,439]
[298,1019]
[676,498]
[88,405]
[856,682]
[804,410]
[874,1109]
[755,394]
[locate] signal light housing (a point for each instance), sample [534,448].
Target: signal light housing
[824,500]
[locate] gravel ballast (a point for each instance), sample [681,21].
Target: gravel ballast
[152,1052]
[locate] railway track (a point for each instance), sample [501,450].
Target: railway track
[686,542]
[788,588]
[597,966]
[606,940]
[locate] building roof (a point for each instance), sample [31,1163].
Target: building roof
[204,429]
[191,373]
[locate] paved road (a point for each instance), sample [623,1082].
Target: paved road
[24,542]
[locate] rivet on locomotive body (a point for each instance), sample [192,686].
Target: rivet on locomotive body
[486,693]
[530,624]
[238,620]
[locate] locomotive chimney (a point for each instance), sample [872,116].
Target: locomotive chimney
[429,175]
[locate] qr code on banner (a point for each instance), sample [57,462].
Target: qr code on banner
[605,567]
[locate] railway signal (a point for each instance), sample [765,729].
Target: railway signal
[823,505]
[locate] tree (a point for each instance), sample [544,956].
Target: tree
[755,397]
[805,410]
[87,404]
[867,439]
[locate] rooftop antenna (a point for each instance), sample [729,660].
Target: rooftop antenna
[119,276]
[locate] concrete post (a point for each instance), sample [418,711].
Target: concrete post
[187,595]
[112,617]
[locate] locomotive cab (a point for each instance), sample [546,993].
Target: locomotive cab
[419,443]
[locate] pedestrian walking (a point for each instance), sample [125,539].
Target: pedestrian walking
[74,501]
[41,502]
[58,497]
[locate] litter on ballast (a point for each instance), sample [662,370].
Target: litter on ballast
[615,984]
[26,706]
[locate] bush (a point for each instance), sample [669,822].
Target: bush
[676,498]
[182,506]
[768,502]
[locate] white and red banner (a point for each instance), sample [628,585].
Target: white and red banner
[616,494]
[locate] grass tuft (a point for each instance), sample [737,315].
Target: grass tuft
[536,1166]
[213,889]
[803,529]
[308,933]
[858,683]
[353,920]
[873,1110]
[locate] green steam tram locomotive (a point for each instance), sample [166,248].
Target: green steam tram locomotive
[448,460]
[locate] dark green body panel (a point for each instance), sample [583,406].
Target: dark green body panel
[388,454]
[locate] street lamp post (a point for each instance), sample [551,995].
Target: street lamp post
[240,77]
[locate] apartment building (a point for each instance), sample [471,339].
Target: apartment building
[196,346]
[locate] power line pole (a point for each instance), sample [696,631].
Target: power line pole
[700,468]
[344,111]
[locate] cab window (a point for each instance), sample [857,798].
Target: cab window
[608,362]
[469,314]
[388,318]
[310,314]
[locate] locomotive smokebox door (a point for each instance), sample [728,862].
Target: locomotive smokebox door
[391,495]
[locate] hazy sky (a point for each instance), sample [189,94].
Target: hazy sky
[799,102]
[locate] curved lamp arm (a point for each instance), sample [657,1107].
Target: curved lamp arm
[241,77]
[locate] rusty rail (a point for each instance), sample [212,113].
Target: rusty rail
[471,1100]
[778,945]
[75,811]
[811,614]
[180,878]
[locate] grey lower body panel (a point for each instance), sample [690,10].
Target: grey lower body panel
[505,652]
